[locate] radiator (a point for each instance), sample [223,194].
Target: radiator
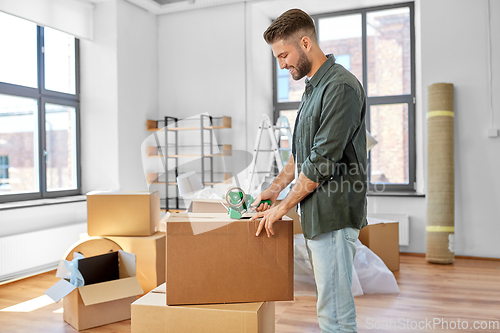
[404,225]
[35,252]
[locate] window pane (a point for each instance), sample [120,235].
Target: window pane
[290,115]
[60,127]
[18,145]
[286,122]
[389,54]
[59,61]
[341,36]
[289,90]
[389,158]
[18,59]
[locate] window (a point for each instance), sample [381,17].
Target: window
[39,111]
[376,45]
[4,172]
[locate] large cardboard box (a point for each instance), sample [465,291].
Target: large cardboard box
[123,213]
[110,287]
[212,258]
[151,314]
[208,206]
[292,213]
[150,254]
[382,237]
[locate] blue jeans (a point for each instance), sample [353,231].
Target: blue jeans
[332,255]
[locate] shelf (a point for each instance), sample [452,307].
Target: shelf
[163,210]
[152,151]
[196,152]
[152,126]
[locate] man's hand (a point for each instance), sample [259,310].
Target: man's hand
[266,195]
[268,218]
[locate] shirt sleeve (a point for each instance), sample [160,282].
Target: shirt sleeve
[339,120]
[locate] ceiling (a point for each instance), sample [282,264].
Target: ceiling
[171,6]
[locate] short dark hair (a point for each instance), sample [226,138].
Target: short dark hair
[288,24]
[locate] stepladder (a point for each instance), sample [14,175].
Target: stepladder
[277,152]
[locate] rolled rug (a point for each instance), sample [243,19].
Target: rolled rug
[440,175]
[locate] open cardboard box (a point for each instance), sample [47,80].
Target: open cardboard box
[151,314]
[110,287]
[113,213]
[212,258]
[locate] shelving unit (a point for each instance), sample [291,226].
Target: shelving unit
[173,150]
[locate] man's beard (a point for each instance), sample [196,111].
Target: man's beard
[303,66]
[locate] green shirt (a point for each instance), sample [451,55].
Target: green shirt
[329,147]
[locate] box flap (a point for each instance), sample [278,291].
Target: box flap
[60,290]
[98,269]
[158,299]
[110,291]
[161,289]
[62,271]
[127,264]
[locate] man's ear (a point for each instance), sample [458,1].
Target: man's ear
[305,43]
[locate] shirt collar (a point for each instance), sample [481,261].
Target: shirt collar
[314,81]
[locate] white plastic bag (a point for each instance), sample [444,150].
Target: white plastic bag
[304,284]
[373,274]
[369,275]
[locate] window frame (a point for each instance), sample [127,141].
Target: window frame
[410,100]
[43,96]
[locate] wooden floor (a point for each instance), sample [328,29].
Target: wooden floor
[465,293]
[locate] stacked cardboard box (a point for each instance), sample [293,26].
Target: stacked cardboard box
[212,258]
[151,314]
[129,222]
[220,277]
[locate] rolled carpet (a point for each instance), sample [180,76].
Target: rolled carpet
[440,175]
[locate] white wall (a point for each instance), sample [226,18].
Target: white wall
[119,92]
[457,53]
[137,89]
[23,220]
[202,69]
[99,101]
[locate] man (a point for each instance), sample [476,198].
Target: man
[328,162]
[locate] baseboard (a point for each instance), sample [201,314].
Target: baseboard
[4,279]
[412,254]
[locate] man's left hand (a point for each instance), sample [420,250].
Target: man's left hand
[268,218]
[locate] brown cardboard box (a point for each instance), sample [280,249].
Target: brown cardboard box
[123,213]
[207,206]
[151,314]
[382,237]
[212,258]
[292,213]
[150,254]
[110,287]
